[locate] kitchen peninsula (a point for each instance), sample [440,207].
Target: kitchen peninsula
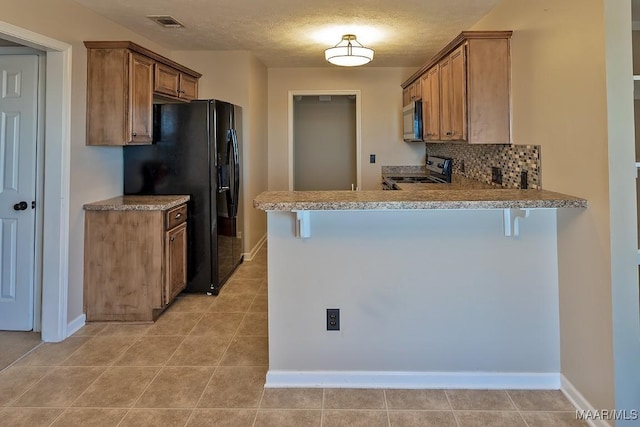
[435,288]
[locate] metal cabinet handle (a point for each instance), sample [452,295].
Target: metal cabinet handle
[178,215]
[449,133]
[134,134]
[172,238]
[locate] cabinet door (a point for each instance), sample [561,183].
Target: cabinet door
[416,91]
[188,87]
[140,103]
[458,94]
[446,127]
[176,262]
[167,80]
[431,104]
[406,96]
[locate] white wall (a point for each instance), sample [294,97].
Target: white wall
[96,172]
[381,117]
[571,86]
[422,292]
[238,77]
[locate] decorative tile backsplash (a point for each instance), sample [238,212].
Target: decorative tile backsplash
[475,161]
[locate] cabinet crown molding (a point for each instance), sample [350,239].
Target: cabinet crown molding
[143,51]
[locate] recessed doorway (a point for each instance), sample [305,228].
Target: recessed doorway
[324,140]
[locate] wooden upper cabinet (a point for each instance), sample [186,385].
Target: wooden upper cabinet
[171,82]
[473,77]
[431,104]
[140,105]
[406,96]
[123,81]
[411,93]
[456,97]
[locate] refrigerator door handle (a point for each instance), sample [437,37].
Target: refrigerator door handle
[236,173]
[232,181]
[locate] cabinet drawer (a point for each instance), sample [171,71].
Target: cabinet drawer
[175,216]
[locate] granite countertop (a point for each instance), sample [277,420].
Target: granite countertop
[423,199]
[137,203]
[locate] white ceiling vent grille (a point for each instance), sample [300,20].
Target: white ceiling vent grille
[166,21]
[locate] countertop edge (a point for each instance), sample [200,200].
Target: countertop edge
[134,203]
[418,200]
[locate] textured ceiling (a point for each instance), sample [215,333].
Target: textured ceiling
[294,33]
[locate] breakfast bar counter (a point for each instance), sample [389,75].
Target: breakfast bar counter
[425,196]
[435,288]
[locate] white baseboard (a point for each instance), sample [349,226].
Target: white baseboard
[75,325]
[579,401]
[384,379]
[250,255]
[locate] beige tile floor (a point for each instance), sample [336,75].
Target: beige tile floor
[203,363]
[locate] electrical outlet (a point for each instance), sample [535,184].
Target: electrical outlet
[372,158]
[496,175]
[333,319]
[524,184]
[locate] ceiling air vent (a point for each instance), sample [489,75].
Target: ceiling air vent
[166,21]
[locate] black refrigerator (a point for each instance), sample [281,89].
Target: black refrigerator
[196,151]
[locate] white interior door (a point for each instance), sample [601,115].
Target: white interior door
[18,132]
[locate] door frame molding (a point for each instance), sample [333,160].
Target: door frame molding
[56,167]
[358,95]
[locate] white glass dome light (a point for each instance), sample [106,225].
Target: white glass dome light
[348,53]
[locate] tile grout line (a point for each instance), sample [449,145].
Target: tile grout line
[21,357]
[255,417]
[517,409]
[451,408]
[322,408]
[386,406]
[222,356]
[133,405]
[53,368]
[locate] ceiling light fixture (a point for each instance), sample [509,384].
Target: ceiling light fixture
[348,53]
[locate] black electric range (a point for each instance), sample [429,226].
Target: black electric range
[439,171]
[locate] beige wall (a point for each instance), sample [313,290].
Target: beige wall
[96,172]
[238,77]
[381,117]
[560,102]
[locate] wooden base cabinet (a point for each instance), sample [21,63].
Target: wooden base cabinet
[135,262]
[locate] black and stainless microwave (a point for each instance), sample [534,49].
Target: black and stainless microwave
[412,121]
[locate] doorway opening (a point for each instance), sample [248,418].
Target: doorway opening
[325,140]
[52,267]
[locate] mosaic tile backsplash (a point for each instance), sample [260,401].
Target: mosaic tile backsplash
[475,161]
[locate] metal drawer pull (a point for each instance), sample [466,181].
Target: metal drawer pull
[178,215]
[172,238]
